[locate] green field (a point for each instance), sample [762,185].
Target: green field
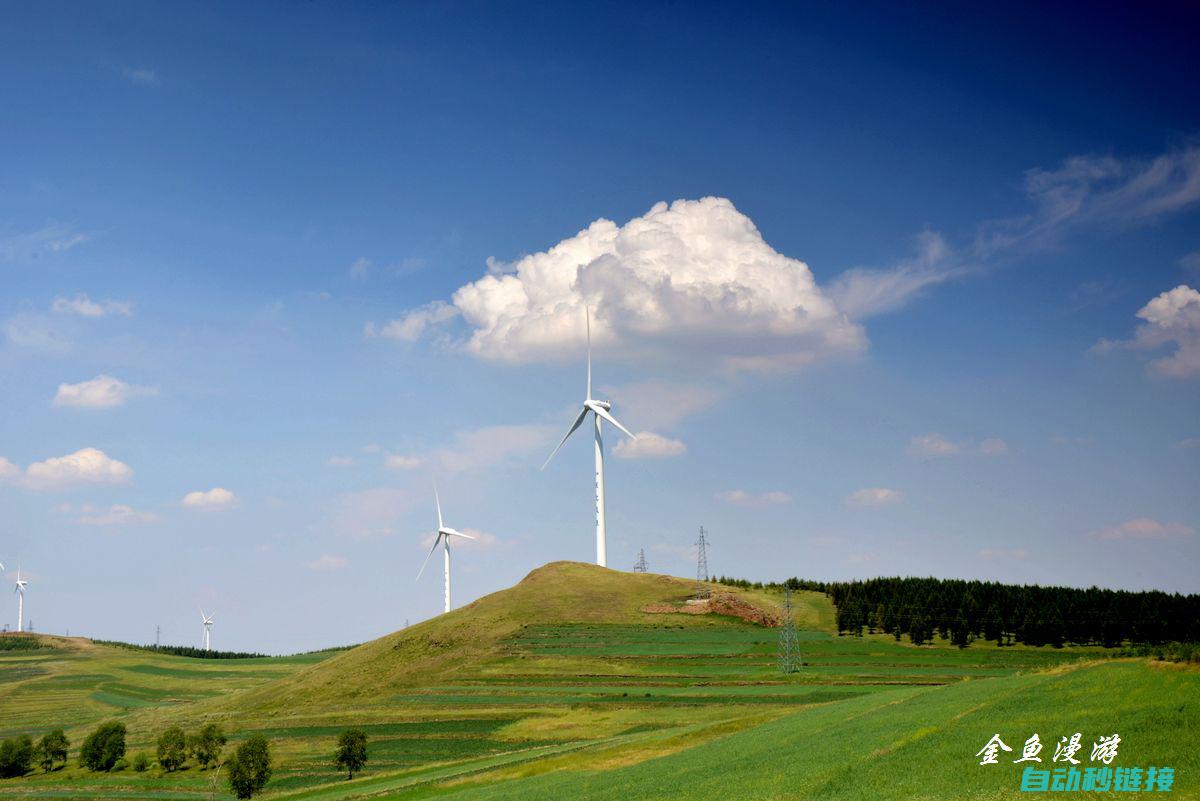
[563,687]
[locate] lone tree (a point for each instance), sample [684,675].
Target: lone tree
[352,751]
[103,747]
[52,748]
[16,756]
[206,744]
[250,766]
[172,749]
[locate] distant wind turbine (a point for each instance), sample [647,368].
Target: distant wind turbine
[444,534]
[20,591]
[208,621]
[599,410]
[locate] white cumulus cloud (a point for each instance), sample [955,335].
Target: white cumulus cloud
[695,275]
[9,472]
[211,500]
[649,445]
[739,497]
[101,392]
[875,496]
[86,466]
[1171,319]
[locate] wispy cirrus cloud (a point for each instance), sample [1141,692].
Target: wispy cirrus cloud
[142,76]
[649,445]
[1081,193]
[935,446]
[875,496]
[739,497]
[1143,528]
[50,238]
[370,513]
[326,562]
[118,514]
[84,306]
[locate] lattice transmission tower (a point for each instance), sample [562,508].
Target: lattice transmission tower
[640,566]
[702,589]
[789,646]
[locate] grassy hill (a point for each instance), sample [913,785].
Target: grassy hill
[605,684]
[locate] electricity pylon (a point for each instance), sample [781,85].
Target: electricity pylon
[789,647]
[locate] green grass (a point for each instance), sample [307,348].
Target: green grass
[564,687]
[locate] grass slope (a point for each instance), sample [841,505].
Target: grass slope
[563,684]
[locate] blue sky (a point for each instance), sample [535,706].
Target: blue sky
[926,303]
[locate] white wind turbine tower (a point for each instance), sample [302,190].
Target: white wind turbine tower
[208,621]
[599,410]
[20,591]
[444,533]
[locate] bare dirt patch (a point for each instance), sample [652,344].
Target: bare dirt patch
[719,603]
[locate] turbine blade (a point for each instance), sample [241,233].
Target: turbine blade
[604,415]
[438,501]
[578,422]
[588,320]
[436,540]
[458,533]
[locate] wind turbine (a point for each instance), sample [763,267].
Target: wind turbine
[208,621]
[444,533]
[20,591]
[599,410]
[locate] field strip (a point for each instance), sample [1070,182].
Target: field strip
[375,785]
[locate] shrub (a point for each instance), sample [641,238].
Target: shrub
[52,748]
[206,744]
[103,747]
[250,766]
[351,751]
[119,765]
[172,748]
[16,756]
[141,762]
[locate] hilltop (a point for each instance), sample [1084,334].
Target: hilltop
[556,593]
